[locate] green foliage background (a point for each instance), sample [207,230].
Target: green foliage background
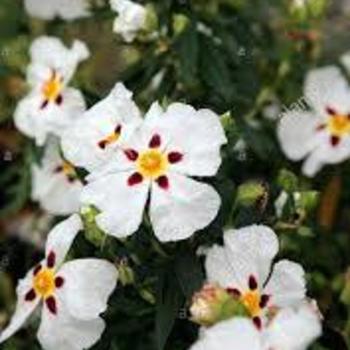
[257,51]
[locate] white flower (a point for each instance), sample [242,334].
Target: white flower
[322,135]
[55,184]
[244,267]
[158,161]
[290,329]
[131,18]
[65,9]
[73,294]
[93,140]
[51,105]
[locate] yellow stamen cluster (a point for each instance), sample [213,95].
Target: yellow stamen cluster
[44,283]
[339,125]
[52,87]
[152,164]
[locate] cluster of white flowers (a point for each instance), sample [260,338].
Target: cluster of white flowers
[134,163]
[279,314]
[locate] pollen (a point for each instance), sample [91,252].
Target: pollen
[52,88]
[44,283]
[251,300]
[152,164]
[339,125]
[110,139]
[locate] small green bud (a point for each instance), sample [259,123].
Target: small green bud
[180,23]
[126,273]
[288,181]
[307,200]
[227,121]
[214,304]
[250,192]
[92,232]
[151,21]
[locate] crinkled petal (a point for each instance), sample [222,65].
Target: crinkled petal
[286,285]
[184,208]
[298,133]
[327,87]
[326,154]
[62,331]
[201,151]
[50,52]
[293,329]
[237,333]
[61,238]
[41,9]
[81,142]
[88,283]
[23,309]
[121,205]
[251,250]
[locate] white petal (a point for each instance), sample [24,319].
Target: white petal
[63,332]
[184,208]
[327,87]
[70,10]
[219,269]
[56,194]
[286,285]
[235,334]
[326,154]
[62,236]
[88,284]
[51,52]
[251,250]
[80,142]
[41,9]
[293,329]
[121,205]
[298,134]
[23,309]
[201,151]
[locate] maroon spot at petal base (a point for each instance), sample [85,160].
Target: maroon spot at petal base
[257,322]
[51,260]
[118,129]
[59,100]
[44,104]
[174,157]
[335,141]
[155,141]
[59,282]
[234,292]
[102,144]
[36,270]
[331,111]
[163,182]
[131,154]
[135,179]
[253,284]
[51,305]
[30,296]
[264,300]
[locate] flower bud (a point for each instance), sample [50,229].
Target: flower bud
[214,304]
[126,273]
[91,231]
[250,193]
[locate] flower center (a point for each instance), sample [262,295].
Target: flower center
[251,300]
[339,125]
[52,87]
[152,163]
[44,283]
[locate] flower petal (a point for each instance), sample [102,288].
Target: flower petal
[201,151]
[88,284]
[70,10]
[184,208]
[24,308]
[293,329]
[40,9]
[237,333]
[61,331]
[327,154]
[81,142]
[251,250]
[298,134]
[121,205]
[286,286]
[61,238]
[327,87]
